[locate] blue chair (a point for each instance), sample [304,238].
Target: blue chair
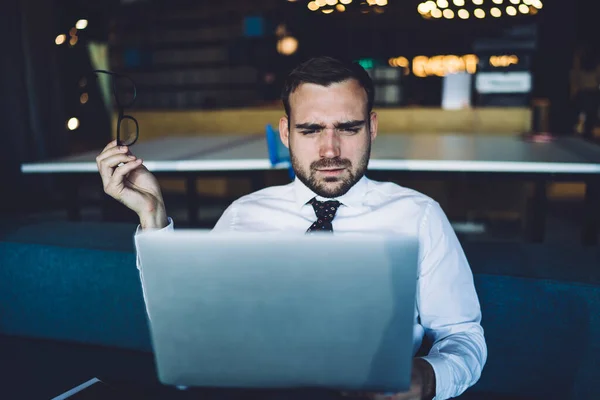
[278,153]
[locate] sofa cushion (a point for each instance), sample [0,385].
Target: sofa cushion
[72,281]
[541,337]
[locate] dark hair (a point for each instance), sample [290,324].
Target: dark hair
[325,71]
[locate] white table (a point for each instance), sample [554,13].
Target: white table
[566,159]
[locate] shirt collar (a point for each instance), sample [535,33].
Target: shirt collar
[354,197]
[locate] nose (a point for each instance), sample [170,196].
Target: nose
[329,144]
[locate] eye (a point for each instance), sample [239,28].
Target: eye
[350,130]
[308,132]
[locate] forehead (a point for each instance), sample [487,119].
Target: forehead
[346,100]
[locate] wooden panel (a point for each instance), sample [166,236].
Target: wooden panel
[476,120]
[566,191]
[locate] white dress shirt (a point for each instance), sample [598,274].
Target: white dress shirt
[447,306]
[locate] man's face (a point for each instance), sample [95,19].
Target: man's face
[328,136]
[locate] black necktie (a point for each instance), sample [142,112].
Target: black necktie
[325,211]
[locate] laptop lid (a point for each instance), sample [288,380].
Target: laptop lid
[280,311]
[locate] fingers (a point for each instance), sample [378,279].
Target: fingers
[110,145]
[109,158]
[114,161]
[107,166]
[108,161]
[111,151]
[115,184]
[121,171]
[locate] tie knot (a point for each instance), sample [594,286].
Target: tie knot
[325,209]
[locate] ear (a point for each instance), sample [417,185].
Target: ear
[374,125]
[284,131]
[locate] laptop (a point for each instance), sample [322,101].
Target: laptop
[249,310]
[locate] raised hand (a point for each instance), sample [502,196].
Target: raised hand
[128,181]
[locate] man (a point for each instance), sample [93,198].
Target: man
[328,128]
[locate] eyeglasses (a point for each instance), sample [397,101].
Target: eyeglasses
[125,93]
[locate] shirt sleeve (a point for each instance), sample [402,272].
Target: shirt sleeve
[448,307]
[228,219]
[139,231]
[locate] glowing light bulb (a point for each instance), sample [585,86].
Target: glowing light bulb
[72,124]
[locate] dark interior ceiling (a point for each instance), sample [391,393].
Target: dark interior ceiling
[400,22]
[400,15]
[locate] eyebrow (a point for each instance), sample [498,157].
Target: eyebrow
[350,124]
[339,125]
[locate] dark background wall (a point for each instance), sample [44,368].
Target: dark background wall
[38,79]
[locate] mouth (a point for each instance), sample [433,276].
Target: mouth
[331,171]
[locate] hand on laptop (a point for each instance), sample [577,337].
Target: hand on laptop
[128,181]
[422,386]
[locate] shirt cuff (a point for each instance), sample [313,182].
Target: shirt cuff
[444,382]
[169,227]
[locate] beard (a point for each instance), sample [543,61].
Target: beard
[345,183]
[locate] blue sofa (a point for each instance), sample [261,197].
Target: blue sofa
[77,283]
